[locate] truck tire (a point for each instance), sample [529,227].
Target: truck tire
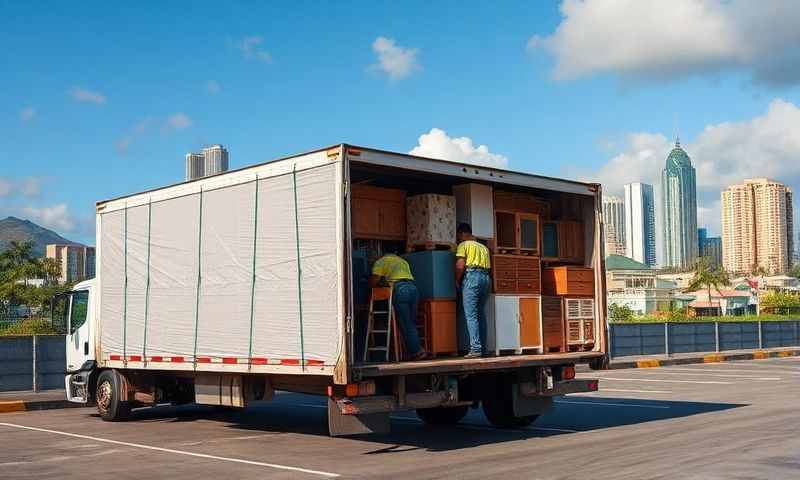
[442,415]
[109,404]
[500,414]
[599,363]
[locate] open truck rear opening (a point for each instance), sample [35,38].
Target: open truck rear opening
[224,289]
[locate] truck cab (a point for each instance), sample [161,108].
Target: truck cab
[77,316]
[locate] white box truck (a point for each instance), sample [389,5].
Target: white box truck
[224,289]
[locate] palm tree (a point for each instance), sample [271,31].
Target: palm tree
[706,277]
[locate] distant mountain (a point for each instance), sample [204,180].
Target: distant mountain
[14,229]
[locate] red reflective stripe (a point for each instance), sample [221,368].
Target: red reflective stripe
[157,358]
[176,359]
[229,360]
[315,362]
[135,358]
[258,361]
[203,360]
[290,361]
[115,357]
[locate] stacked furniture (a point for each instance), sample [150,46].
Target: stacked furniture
[513,323]
[434,274]
[574,286]
[475,206]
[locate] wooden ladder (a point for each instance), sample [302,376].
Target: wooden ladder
[381,325]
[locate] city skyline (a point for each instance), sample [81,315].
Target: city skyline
[640,223]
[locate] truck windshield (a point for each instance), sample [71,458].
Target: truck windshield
[77,316]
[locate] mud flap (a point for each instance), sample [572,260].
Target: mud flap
[524,406]
[340,424]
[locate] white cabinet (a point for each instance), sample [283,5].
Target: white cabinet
[475,205]
[502,323]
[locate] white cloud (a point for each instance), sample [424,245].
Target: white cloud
[29,187]
[652,39]
[212,87]
[179,121]
[56,217]
[27,114]
[87,96]
[397,62]
[437,144]
[123,143]
[767,145]
[251,47]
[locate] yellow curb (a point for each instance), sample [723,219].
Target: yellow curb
[786,353]
[760,355]
[650,363]
[714,358]
[12,406]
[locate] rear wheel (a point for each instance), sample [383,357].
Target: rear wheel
[500,413]
[442,415]
[110,405]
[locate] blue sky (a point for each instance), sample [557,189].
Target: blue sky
[101,100]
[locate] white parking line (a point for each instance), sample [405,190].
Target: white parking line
[610,404]
[685,372]
[623,390]
[790,371]
[702,382]
[176,452]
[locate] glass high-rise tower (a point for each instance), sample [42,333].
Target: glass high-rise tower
[679,209]
[640,223]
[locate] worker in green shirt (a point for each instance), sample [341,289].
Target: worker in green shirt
[474,284]
[405,299]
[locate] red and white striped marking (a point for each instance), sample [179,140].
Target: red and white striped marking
[296,362]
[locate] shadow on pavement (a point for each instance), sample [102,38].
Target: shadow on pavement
[306,415]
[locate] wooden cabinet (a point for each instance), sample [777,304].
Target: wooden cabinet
[517,232]
[439,319]
[378,213]
[562,241]
[553,337]
[474,205]
[579,317]
[568,280]
[513,274]
[513,323]
[521,202]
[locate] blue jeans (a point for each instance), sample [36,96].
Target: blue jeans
[474,291]
[405,300]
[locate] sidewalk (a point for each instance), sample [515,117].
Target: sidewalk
[28,400]
[650,361]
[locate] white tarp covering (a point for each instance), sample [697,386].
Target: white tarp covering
[217,315]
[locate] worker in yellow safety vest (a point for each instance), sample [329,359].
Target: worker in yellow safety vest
[474,284]
[395,271]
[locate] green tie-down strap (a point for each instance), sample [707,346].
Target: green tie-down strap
[299,267]
[253,279]
[199,276]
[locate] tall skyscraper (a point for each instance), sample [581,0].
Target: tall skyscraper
[212,161]
[640,223]
[195,166]
[757,227]
[77,261]
[216,160]
[614,220]
[709,248]
[679,209]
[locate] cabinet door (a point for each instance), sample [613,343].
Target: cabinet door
[365,215]
[392,219]
[507,322]
[528,231]
[530,327]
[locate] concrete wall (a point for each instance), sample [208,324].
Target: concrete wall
[17,362]
[659,338]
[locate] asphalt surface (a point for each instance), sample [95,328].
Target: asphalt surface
[713,421]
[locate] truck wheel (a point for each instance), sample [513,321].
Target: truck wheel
[500,414]
[599,363]
[442,415]
[109,404]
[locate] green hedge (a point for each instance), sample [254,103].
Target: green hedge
[33,326]
[686,319]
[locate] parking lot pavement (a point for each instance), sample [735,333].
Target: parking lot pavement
[727,420]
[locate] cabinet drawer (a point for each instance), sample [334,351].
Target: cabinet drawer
[581,275]
[505,273]
[505,286]
[528,286]
[504,261]
[580,288]
[528,274]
